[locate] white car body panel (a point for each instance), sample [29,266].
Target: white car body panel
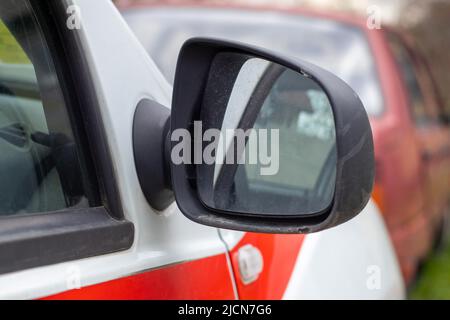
[355,260]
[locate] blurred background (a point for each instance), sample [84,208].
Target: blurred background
[427,20]
[406,65]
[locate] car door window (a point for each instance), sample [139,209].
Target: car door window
[405,63]
[39,165]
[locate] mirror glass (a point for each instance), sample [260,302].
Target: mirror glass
[268,141]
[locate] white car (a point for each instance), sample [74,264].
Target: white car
[89,174]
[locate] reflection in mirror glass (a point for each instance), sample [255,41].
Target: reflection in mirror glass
[269,142]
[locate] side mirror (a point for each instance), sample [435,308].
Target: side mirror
[262,143]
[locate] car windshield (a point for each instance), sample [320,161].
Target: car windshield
[337,47]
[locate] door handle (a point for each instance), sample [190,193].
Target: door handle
[442,153]
[427,156]
[14,134]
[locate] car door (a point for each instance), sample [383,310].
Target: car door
[432,135]
[74,221]
[441,156]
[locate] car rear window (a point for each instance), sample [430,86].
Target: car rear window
[337,47]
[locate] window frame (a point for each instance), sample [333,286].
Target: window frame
[399,40]
[47,238]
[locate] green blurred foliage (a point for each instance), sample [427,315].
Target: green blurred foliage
[10,51]
[434,280]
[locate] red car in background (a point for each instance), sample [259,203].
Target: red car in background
[412,142]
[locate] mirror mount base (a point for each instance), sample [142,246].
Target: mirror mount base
[151,127]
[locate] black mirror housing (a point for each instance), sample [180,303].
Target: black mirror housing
[354,144]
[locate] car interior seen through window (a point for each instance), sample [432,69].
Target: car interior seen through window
[39,165]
